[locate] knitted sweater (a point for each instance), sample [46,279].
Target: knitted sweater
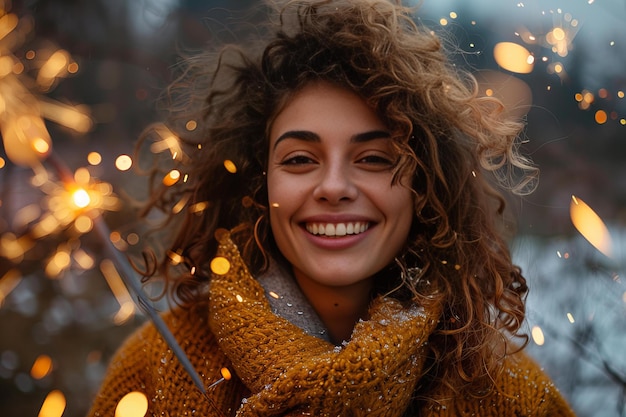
[145,363]
[283,370]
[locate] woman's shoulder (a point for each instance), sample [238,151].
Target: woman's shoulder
[521,388]
[524,387]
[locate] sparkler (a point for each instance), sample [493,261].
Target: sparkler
[75,199]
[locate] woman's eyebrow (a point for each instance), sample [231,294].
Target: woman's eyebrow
[371,135]
[309,136]
[298,134]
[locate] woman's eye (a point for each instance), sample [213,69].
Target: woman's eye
[376,160]
[297,160]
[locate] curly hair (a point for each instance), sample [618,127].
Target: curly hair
[452,142]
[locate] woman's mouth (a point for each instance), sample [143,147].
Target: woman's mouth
[337,229]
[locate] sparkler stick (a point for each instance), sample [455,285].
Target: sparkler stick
[128,275]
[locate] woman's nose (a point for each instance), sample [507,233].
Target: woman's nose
[335,185]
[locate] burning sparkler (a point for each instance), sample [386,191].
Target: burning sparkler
[74,201]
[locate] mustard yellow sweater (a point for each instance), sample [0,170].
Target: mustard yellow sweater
[145,363]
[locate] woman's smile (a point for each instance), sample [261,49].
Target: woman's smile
[337,229]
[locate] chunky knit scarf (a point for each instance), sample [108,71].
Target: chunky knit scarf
[291,372]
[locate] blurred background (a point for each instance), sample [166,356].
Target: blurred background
[78,83]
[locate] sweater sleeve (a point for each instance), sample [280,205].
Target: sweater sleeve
[145,363]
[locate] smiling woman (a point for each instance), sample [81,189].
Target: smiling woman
[346,259]
[330,167]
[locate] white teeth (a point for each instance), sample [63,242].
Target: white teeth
[337,229]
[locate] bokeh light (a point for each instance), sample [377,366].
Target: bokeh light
[171,178]
[590,225]
[230,166]
[220,265]
[133,404]
[53,405]
[80,198]
[513,57]
[123,162]
[42,367]
[537,335]
[94,158]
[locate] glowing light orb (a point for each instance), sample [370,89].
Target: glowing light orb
[230,166]
[171,178]
[123,162]
[191,125]
[220,265]
[40,145]
[72,68]
[133,404]
[225,374]
[62,259]
[180,205]
[591,226]
[82,176]
[175,258]
[601,117]
[132,238]
[53,405]
[558,34]
[538,336]
[83,224]
[42,367]
[94,158]
[81,198]
[513,57]
[199,207]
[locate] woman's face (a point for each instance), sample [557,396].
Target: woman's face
[334,213]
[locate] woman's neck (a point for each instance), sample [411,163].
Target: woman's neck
[339,308]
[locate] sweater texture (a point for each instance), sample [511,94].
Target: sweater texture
[282,370]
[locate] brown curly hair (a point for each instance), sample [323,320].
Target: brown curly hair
[449,140]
